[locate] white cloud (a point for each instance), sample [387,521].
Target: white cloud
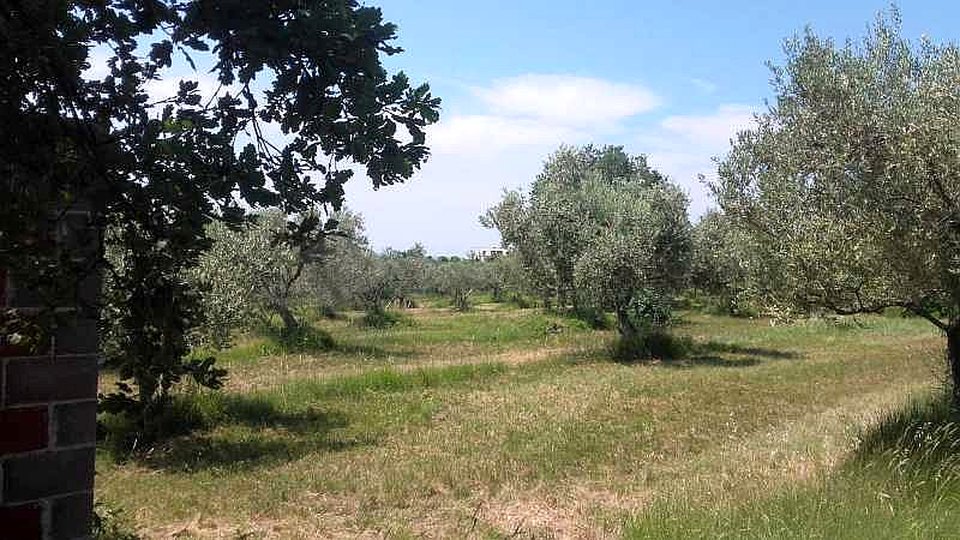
[539,110]
[97,57]
[483,134]
[712,130]
[503,145]
[566,99]
[684,146]
[440,206]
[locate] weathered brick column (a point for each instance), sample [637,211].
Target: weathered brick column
[48,401]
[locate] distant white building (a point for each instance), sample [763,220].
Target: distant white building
[487,253]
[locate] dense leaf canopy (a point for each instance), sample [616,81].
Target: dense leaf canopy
[157,169]
[849,184]
[598,227]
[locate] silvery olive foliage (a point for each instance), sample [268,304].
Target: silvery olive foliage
[597,229]
[849,185]
[351,275]
[639,249]
[721,264]
[507,280]
[460,279]
[406,273]
[251,273]
[332,284]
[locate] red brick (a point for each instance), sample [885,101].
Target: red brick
[44,379]
[71,516]
[46,474]
[76,423]
[8,349]
[22,430]
[20,294]
[77,334]
[23,522]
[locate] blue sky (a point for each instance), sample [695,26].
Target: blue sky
[673,80]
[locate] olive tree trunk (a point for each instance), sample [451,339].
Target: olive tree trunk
[953,358]
[290,323]
[625,325]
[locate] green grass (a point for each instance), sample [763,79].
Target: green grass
[501,422]
[902,481]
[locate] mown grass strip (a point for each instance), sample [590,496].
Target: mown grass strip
[389,380]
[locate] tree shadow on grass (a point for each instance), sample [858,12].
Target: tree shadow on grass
[233,448]
[228,432]
[723,354]
[710,361]
[309,339]
[684,353]
[717,347]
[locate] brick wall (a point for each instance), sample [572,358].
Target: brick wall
[48,405]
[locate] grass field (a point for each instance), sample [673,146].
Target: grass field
[513,423]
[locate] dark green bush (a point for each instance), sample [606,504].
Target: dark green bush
[301,338]
[123,435]
[382,319]
[596,319]
[109,523]
[648,345]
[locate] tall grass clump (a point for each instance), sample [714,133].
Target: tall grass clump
[902,481]
[916,449]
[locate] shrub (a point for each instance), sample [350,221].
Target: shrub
[381,318]
[596,319]
[109,523]
[652,344]
[123,435]
[298,338]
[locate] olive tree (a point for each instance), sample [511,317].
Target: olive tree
[332,283]
[720,263]
[849,185]
[460,279]
[508,282]
[254,272]
[406,271]
[550,228]
[601,230]
[638,253]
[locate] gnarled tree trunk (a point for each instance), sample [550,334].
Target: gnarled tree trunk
[625,325]
[290,323]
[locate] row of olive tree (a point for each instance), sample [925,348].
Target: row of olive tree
[256,272]
[356,277]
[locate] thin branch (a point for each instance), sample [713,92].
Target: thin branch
[917,310]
